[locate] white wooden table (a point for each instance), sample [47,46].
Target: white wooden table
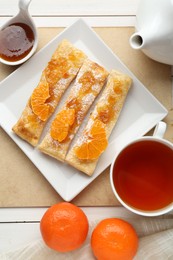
[20,226]
[15,223]
[50,13]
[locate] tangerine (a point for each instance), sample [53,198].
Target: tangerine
[95,142]
[61,124]
[113,239]
[38,101]
[64,227]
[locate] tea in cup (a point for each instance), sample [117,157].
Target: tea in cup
[141,175]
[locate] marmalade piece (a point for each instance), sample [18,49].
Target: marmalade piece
[85,151]
[88,84]
[94,142]
[61,124]
[57,69]
[55,79]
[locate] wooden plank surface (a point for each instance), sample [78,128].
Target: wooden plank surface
[21,225]
[73,7]
[61,13]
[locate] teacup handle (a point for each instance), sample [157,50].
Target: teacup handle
[160,129]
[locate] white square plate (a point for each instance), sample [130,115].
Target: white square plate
[140,113]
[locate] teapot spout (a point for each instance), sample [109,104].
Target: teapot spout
[136,41]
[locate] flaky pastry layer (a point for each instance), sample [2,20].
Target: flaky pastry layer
[58,74]
[107,110]
[87,86]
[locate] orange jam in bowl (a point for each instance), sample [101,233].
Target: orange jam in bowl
[16,42]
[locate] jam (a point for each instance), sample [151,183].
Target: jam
[16,41]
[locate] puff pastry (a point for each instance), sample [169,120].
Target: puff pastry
[55,79]
[87,86]
[107,111]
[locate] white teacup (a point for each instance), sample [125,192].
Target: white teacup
[141,175]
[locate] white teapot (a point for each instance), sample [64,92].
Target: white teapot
[154,30]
